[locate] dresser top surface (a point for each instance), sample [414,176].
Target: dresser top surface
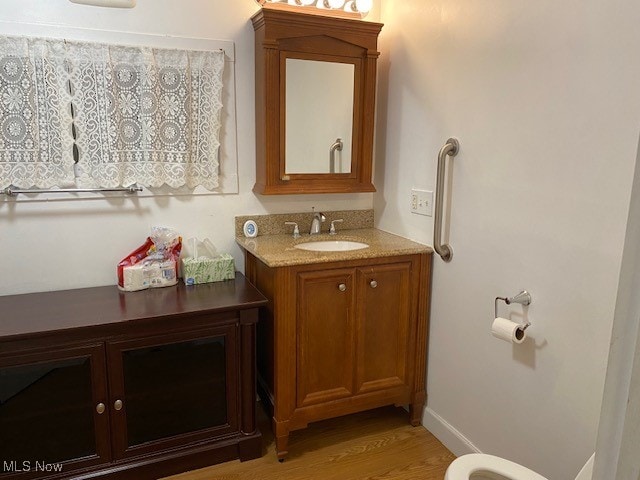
[86,307]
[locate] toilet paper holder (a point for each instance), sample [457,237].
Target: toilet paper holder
[523,298]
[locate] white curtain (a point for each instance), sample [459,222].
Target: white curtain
[35,120]
[140,115]
[147,116]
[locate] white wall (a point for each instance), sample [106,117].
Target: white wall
[67,244]
[544,99]
[618,444]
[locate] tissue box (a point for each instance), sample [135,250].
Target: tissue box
[206,269]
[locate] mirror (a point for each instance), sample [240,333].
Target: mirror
[319,116]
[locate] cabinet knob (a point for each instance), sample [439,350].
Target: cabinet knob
[100,408]
[117,405]
[342,287]
[373,284]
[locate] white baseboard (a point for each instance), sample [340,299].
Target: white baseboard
[451,438]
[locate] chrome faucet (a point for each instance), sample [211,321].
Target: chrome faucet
[318,218]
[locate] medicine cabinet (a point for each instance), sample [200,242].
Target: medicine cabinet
[315,102]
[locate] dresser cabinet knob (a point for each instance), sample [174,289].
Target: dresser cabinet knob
[100,408]
[342,287]
[373,284]
[117,405]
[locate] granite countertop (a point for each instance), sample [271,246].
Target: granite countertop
[279,251]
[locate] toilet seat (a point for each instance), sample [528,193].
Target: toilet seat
[465,466]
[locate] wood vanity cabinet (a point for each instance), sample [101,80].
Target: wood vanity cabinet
[342,337]
[282,35]
[97,383]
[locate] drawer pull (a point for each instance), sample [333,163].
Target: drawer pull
[100,408]
[373,284]
[342,287]
[117,405]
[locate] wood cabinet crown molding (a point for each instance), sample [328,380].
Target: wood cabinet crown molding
[286,24]
[281,35]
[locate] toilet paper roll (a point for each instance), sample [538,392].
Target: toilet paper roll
[507,330]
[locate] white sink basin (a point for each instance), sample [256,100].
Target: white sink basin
[332,246]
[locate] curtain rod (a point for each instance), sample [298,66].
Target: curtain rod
[12,191]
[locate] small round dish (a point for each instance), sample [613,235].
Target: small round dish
[250,229]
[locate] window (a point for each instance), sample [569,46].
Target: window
[125,114]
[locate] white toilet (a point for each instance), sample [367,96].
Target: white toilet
[479,466]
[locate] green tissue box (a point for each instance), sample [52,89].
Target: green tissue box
[206,270]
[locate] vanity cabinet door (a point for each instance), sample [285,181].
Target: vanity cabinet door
[53,414]
[384,320]
[172,390]
[326,336]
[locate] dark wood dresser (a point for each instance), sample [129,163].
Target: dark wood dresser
[98,383]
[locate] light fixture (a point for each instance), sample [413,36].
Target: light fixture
[333,3]
[349,8]
[107,3]
[363,6]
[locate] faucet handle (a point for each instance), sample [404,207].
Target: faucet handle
[332,230]
[319,215]
[296,230]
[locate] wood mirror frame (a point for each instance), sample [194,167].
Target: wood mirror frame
[282,34]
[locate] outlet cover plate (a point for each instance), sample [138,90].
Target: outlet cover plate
[421,202]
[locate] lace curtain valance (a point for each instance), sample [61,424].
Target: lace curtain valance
[140,115]
[35,132]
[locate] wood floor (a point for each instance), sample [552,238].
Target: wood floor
[379,444]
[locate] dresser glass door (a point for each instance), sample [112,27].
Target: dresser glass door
[173,392]
[48,410]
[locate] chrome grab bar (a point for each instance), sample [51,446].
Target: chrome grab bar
[449,149]
[332,154]
[11,191]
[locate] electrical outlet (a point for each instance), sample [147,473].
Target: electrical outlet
[422,202]
[414,201]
